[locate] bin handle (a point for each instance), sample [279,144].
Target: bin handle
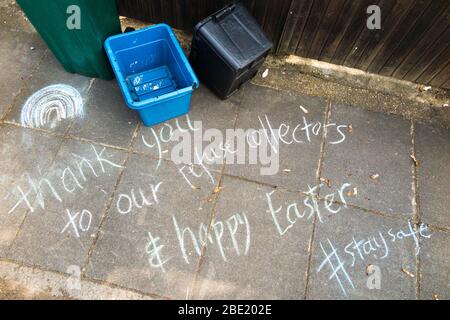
[222,14]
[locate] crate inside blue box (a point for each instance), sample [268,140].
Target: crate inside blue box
[154,75]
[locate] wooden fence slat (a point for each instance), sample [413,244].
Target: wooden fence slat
[395,25]
[389,21]
[440,79]
[367,36]
[300,19]
[428,56]
[313,24]
[413,36]
[404,23]
[357,24]
[326,27]
[446,85]
[437,27]
[435,67]
[289,27]
[279,17]
[179,17]
[336,35]
[260,11]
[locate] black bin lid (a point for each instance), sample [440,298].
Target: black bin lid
[235,35]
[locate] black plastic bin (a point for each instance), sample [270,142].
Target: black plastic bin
[228,48]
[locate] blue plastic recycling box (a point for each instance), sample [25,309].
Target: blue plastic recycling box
[154,75]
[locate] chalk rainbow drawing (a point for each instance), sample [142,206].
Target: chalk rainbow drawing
[55,102]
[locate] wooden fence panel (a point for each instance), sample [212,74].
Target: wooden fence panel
[412,44]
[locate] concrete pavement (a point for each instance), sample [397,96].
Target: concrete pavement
[358,208]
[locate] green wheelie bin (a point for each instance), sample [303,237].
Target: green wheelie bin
[75,31]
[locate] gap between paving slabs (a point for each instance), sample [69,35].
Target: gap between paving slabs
[110,200]
[415,201]
[318,181]
[217,191]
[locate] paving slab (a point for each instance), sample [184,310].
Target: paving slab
[435,267]
[12,17]
[20,282]
[255,260]
[374,158]
[433,153]
[143,245]
[58,233]
[19,149]
[107,118]
[17,60]
[300,120]
[207,112]
[358,255]
[50,72]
